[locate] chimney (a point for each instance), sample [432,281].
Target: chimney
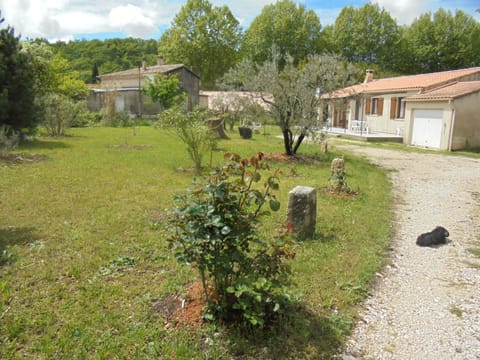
[160,60]
[368,76]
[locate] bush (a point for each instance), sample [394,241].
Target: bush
[245,132]
[9,138]
[214,228]
[59,113]
[191,128]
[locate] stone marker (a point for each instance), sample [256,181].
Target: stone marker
[302,211]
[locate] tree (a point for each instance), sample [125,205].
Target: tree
[204,38]
[165,89]
[286,26]
[16,83]
[443,41]
[292,93]
[53,73]
[369,35]
[95,74]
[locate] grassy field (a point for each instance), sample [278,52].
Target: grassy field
[83,252]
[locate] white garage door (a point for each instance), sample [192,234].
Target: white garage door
[427,128]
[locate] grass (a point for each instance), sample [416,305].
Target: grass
[83,251]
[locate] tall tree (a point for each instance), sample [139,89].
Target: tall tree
[292,93]
[367,35]
[16,83]
[206,38]
[443,41]
[53,73]
[286,26]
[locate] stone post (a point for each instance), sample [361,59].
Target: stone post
[302,211]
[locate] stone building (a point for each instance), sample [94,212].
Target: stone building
[125,86]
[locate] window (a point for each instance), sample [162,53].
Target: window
[374,106]
[397,108]
[401,108]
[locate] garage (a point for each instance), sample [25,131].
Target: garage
[427,128]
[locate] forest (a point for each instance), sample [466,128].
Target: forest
[367,36]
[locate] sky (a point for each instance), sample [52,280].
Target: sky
[100,19]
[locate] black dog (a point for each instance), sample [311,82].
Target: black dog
[437,236]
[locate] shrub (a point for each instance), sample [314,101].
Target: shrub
[192,130]
[9,138]
[59,113]
[214,228]
[245,132]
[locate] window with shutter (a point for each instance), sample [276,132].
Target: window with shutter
[380,107]
[367,106]
[393,108]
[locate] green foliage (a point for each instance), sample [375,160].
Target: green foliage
[291,92]
[443,41]
[287,26]
[53,73]
[191,128]
[165,89]
[59,113]
[93,57]
[214,228]
[206,38]
[367,35]
[16,83]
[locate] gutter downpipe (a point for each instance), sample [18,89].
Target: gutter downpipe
[452,125]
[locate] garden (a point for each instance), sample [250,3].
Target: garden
[89,267]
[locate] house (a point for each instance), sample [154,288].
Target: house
[126,88]
[436,110]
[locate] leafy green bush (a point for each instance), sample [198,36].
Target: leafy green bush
[214,228]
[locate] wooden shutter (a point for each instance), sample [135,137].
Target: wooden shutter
[380,106]
[367,106]
[393,108]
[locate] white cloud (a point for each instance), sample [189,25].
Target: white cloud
[61,19]
[131,20]
[405,11]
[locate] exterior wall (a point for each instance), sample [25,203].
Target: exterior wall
[128,88]
[466,130]
[429,105]
[191,85]
[383,123]
[125,100]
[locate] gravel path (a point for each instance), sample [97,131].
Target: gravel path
[426,303]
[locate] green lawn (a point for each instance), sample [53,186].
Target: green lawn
[83,253]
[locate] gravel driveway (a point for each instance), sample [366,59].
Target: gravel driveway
[426,302]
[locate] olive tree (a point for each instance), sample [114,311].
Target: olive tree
[291,92]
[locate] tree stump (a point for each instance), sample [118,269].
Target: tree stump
[216,125]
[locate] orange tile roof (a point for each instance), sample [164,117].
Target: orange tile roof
[419,82]
[448,92]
